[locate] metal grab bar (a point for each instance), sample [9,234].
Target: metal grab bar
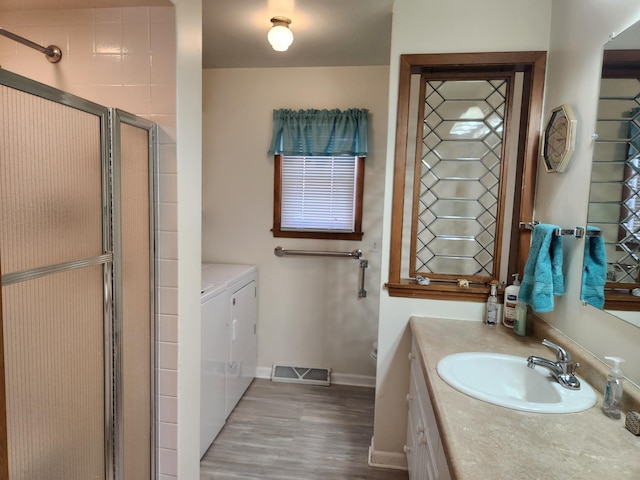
[281,252]
[362,293]
[53,53]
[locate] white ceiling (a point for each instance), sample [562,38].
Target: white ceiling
[16,5]
[326,32]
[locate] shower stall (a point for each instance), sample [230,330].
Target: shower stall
[77,305]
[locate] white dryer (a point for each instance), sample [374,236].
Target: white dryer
[228,339]
[213,362]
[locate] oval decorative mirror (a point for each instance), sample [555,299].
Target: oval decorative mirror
[614,199]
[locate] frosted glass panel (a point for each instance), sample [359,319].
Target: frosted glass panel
[54,364]
[136,283]
[50,182]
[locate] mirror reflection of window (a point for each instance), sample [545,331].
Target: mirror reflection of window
[629,234]
[614,199]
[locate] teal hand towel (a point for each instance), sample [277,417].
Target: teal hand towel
[543,276]
[594,270]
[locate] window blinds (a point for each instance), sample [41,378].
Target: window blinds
[318,193]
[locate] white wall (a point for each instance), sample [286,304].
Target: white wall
[573,77]
[310,314]
[420,26]
[189,194]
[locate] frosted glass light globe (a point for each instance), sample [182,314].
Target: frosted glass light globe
[280,37]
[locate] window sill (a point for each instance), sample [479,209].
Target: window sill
[621,301]
[318,235]
[438,291]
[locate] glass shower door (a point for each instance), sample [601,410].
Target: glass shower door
[55,263]
[133,157]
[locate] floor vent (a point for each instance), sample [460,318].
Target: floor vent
[310,376]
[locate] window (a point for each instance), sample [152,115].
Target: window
[318,194]
[465,162]
[318,173]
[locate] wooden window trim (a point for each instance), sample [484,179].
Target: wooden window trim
[620,64]
[277,208]
[618,296]
[532,64]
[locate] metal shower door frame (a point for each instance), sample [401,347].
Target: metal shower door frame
[110,259]
[32,87]
[117,118]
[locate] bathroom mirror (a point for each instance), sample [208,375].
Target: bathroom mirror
[614,199]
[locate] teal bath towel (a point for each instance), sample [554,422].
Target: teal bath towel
[543,271]
[594,270]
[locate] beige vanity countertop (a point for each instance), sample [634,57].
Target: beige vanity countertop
[482,440]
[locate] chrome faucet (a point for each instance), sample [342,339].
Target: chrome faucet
[563,369]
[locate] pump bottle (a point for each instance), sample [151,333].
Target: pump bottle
[492,307]
[510,300]
[613,390]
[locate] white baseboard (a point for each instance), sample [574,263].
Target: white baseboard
[391,460]
[355,380]
[337,378]
[264,372]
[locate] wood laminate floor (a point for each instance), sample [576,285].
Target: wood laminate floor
[282,431]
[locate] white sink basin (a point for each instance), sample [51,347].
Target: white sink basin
[506,380]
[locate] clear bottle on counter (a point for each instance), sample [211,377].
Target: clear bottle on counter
[491,317]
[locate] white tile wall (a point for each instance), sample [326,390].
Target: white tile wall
[125,58]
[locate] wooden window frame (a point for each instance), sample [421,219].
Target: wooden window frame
[532,64]
[322,235]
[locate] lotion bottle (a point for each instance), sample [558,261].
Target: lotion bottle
[492,307]
[510,300]
[613,390]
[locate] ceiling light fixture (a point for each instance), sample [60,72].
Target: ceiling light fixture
[280,37]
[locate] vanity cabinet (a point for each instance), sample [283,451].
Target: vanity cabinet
[425,455]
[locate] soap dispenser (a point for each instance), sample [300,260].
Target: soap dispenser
[613,390]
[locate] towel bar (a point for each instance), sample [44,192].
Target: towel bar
[577,232]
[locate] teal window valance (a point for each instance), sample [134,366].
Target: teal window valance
[319,132]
